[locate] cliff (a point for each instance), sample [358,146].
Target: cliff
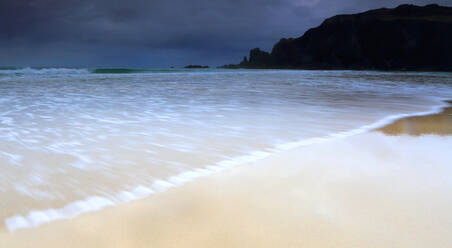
[408,37]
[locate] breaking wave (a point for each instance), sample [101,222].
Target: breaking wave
[47,71]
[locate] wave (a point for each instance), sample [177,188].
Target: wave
[29,70]
[69,71]
[95,203]
[118,71]
[133,71]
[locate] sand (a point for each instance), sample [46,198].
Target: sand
[440,124]
[370,190]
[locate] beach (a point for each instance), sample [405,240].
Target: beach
[168,124]
[439,124]
[367,190]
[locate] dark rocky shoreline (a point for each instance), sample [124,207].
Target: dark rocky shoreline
[196,67]
[406,38]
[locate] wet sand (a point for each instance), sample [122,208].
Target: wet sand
[370,190]
[440,124]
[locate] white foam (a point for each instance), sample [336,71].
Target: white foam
[71,210]
[14,159]
[381,123]
[126,196]
[16,222]
[162,185]
[137,193]
[142,191]
[95,203]
[43,71]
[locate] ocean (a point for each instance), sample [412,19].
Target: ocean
[79,140]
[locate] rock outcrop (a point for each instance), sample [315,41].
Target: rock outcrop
[196,67]
[408,37]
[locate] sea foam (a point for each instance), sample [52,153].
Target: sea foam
[95,203]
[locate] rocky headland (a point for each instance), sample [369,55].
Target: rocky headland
[408,37]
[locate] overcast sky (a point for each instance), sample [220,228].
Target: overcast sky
[149,33]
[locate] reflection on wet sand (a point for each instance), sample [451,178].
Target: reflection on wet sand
[440,124]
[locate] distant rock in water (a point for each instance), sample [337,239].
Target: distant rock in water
[196,67]
[408,37]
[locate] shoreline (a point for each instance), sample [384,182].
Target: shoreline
[270,202]
[439,123]
[36,218]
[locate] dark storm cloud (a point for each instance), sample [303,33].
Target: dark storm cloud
[153,33]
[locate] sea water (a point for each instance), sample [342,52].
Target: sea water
[79,140]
